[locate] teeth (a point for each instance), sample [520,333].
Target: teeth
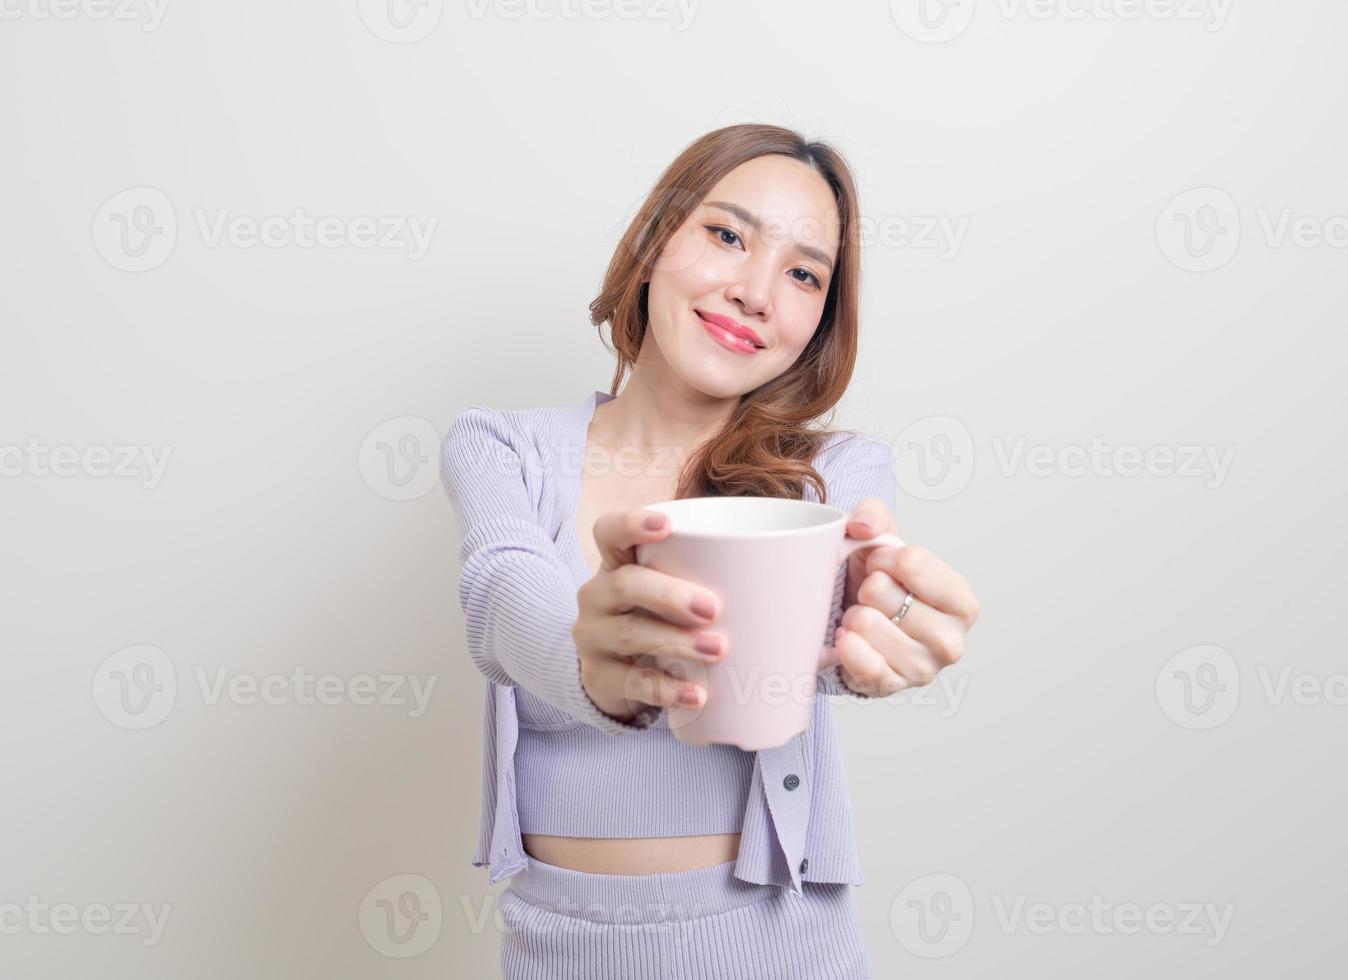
[746,344]
[740,340]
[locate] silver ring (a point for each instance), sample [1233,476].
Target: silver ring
[903,611]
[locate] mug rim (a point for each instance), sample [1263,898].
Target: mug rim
[837,516]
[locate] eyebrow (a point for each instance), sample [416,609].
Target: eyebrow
[748,218]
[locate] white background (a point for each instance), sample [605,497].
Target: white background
[1073,309]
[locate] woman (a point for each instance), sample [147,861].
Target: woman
[732,301]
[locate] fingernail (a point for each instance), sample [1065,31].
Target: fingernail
[708,644]
[864,523]
[688,696]
[837,635]
[703,606]
[655,522]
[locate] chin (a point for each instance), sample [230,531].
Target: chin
[718,385]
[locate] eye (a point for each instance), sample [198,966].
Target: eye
[812,277]
[719,229]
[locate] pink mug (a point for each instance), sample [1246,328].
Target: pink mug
[773,562]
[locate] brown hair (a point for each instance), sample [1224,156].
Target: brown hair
[766,445]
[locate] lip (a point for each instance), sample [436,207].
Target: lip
[732,327]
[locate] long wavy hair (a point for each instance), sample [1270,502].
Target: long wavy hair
[766,446]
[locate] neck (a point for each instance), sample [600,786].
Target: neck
[657,410]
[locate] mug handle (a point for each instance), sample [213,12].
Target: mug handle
[828,656]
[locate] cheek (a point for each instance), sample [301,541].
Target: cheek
[684,256]
[798,319]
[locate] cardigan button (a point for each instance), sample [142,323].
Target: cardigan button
[804,865]
[791,781]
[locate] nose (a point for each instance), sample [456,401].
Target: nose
[751,288]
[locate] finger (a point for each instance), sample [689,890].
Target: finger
[667,597]
[941,633]
[863,668]
[869,517]
[878,589]
[634,634]
[927,577]
[648,685]
[903,654]
[618,532]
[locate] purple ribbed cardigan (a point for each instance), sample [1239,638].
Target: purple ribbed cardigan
[513,477]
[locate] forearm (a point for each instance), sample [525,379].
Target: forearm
[519,610]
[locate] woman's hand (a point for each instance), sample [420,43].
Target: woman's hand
[878,657]
[628,611]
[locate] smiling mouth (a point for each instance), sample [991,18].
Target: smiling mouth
[727,336]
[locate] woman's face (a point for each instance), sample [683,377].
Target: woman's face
[756,254]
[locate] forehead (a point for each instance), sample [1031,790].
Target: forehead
[790,198]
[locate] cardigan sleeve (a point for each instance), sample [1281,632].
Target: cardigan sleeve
[518,600]
[853,468]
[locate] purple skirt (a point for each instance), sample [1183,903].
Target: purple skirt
[703,924]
